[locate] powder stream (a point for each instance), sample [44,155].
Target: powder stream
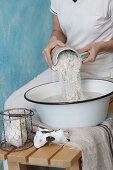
[68,68]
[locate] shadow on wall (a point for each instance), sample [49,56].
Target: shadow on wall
[25,28]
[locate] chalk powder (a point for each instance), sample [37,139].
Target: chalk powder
[68,68]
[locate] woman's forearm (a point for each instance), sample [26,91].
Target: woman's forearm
[106,46]
[57,35]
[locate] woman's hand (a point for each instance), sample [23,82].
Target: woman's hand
[93,49]
[57,39]
[47,51]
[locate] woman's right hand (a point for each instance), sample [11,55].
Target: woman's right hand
[47,51]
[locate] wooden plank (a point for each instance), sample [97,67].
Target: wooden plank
[21,156]
[3,155]
[42,156]
[75,166]
[16,166]
[110,110]
[66,157]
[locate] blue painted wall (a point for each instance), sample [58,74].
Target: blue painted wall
[25,28]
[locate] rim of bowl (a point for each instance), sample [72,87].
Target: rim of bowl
[65,103]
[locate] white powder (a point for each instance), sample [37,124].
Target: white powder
[16,135]
[68,68]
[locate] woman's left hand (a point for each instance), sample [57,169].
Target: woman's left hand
[93,50]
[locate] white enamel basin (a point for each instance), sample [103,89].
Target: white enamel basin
[77,114]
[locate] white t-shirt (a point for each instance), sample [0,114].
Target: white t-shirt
[84,22]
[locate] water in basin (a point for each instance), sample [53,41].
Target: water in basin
[59,98]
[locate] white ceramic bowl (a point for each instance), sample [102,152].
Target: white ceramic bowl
[76,114]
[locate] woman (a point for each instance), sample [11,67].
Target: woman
[87,26]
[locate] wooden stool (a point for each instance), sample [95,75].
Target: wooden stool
[49,156]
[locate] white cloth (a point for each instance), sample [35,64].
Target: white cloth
[95,146]
[84,22]
[43,136]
